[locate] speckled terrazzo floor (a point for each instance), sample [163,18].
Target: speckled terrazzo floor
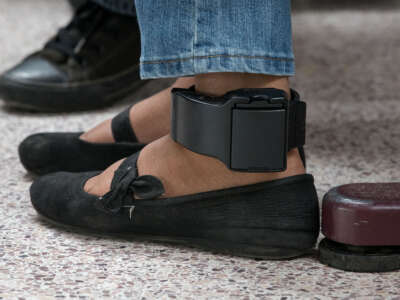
[348,65]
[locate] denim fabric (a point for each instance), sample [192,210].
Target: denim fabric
[190,37]
[187,37]
[126,7]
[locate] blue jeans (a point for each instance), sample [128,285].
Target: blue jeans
[182,38]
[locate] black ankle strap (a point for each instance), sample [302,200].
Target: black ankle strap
[122,129]
[249,130]
[297,121]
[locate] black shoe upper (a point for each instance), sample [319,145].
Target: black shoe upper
[88,48]
[133,204]
[44,153]
[36,70]
[92,60]
[79,208]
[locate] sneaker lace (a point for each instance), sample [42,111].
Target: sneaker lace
[71,39]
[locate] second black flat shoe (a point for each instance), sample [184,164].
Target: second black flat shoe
[91,63]
[272,220]
[45,153]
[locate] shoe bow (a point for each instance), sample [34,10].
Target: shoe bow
[128,188]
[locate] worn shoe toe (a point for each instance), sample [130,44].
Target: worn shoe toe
[46,153]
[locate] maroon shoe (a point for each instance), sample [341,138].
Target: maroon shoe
[361,224]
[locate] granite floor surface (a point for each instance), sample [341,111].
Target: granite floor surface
[348,66]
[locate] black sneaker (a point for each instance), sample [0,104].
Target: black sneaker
[90,63]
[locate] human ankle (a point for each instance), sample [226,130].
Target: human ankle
[150,119]
[185,172]
[217,84]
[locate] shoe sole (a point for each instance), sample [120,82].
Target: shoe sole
[70,97]
[235,249]
[359,259]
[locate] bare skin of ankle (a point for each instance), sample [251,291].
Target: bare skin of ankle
[149,118]
[184,172]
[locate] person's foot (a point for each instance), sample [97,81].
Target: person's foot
[168,192]
[90,63]
[146,121]
[184,172]
[150,118]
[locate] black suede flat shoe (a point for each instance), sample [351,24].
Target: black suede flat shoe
[45,153]
[272,220]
